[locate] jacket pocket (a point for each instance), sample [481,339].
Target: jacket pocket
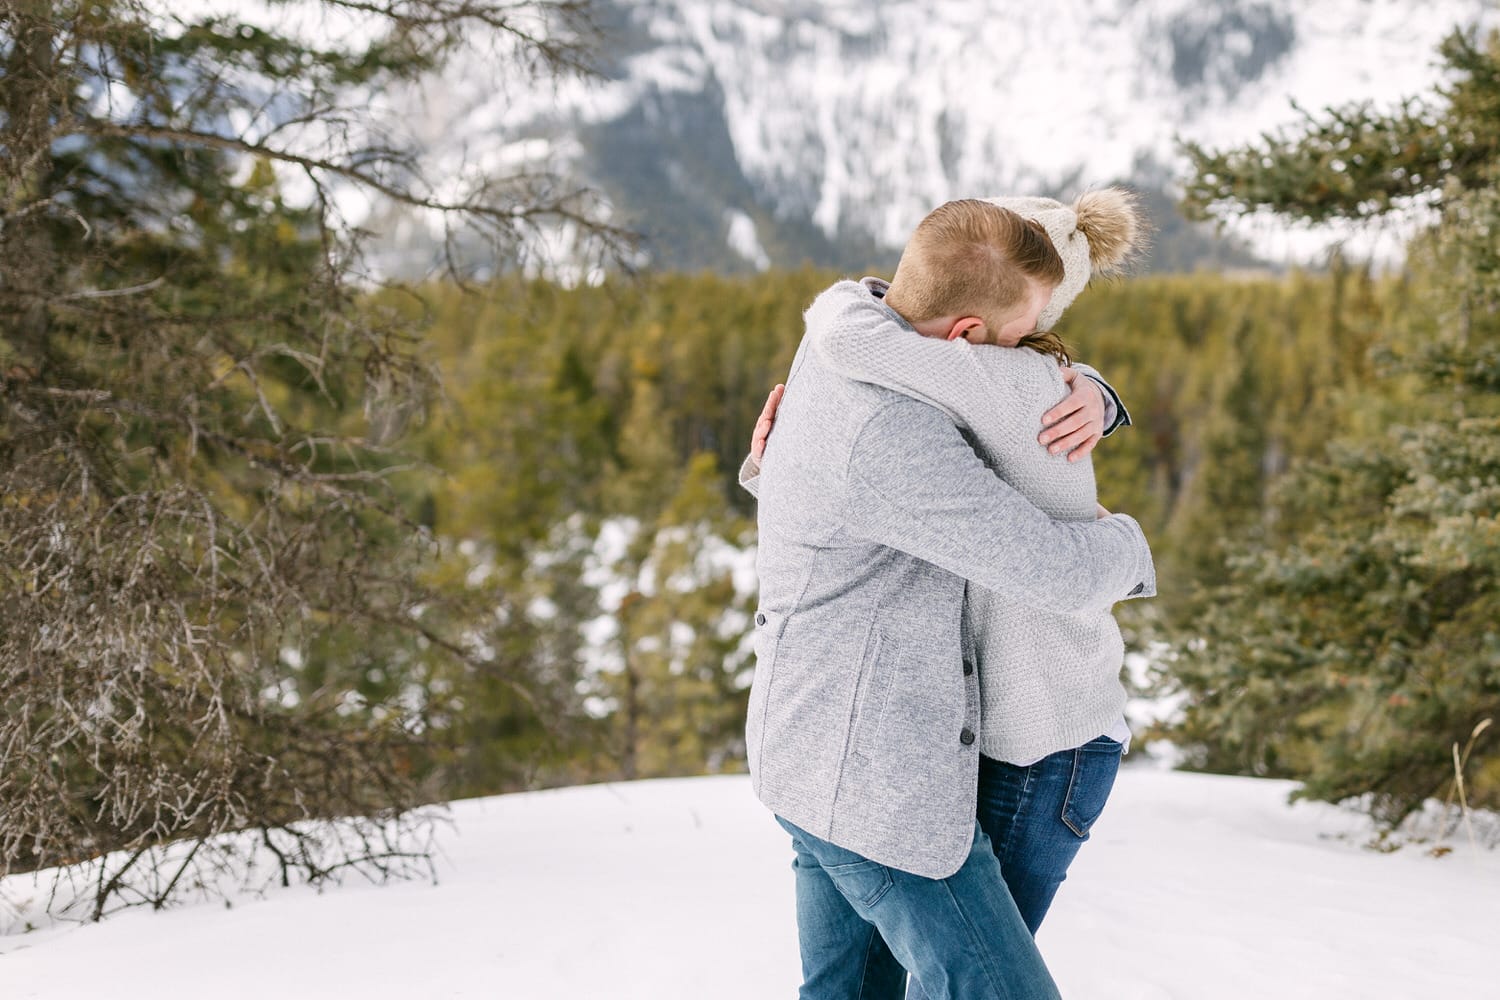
[874,693]
[768,630]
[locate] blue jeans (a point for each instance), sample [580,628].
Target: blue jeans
[1034,820]
[1037,817]
[862,924]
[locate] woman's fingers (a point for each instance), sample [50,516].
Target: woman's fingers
[764,424]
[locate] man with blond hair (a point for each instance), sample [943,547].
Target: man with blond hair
[864,713]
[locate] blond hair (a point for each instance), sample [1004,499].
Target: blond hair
[972,258]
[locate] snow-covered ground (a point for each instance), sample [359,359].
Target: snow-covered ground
[1193,887]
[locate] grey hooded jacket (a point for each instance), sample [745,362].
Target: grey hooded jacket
[874,511]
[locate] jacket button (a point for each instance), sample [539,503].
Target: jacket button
[1138,588]
[968,668]
[966,737]
[760,619]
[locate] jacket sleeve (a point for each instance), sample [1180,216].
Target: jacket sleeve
[1115,414]
[915,485]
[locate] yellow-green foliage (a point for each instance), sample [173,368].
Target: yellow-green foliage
[1228,380]
[592,399]
[612,401]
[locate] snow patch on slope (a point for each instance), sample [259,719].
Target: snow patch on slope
[866,115]
[743,240]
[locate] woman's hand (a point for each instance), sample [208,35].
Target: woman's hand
[765,423]
[1077,423]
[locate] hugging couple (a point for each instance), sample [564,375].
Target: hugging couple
[937,713]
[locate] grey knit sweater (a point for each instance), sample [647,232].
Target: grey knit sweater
[1049,680]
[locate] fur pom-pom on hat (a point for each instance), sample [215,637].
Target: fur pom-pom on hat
[1100,232]
[1110,219]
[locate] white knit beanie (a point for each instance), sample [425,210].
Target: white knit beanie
[1097,234]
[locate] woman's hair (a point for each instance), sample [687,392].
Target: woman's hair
[972,258]
[1047,342]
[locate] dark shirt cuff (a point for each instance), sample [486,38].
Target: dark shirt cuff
[1122,415]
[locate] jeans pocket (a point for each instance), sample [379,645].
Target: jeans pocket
[1095,765]
[862,883]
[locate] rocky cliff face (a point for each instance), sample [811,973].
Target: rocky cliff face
[738,134]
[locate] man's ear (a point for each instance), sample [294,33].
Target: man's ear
[970,328]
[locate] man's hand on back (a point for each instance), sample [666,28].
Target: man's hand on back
[1077,423]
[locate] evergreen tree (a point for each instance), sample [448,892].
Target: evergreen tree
[677,676]
[214,611]
[1359,647]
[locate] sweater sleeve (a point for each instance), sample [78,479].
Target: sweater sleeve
[862,339]
[750,476]
[916,485]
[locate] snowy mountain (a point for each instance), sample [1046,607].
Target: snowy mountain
[744,133]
